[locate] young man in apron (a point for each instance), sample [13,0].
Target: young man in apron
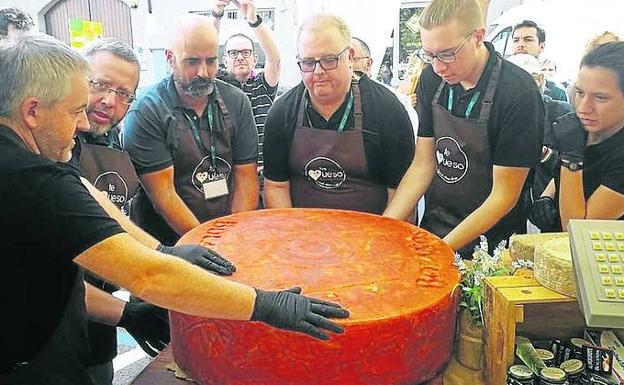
[481,128]
[334,142]
[53,227]
[192,139]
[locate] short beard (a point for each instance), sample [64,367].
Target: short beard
[196,88]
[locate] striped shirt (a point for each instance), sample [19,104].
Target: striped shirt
[261,95]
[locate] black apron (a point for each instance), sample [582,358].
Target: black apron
[61,360]
[201,157]
[109,170]
[463,177]
[329,168]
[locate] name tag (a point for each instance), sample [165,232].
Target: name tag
[215,189]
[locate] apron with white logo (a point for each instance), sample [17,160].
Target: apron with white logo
[329,168]
[203,157]
[463,177]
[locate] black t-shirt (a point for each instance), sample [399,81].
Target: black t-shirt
[604,165]
[516,124]
[388,133]
[48,218]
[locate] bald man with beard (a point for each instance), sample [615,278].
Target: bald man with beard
[192,140]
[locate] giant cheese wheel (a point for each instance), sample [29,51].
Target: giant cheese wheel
[396,280]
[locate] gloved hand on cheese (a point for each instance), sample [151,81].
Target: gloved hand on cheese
[290,310]
[200,256]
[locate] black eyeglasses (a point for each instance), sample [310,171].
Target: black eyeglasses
[327,63]
[101,88]
[444,57]
[233,53]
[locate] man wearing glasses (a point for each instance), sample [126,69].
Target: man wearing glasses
[240,61]
[332,142]
[192,139]
[481,125]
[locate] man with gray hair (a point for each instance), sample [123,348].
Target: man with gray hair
[332,141]
[14,21]
[53,227]
[192,139]
[480,132]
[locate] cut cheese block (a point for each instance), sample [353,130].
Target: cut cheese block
[553,266]
[522,246]
[396,280]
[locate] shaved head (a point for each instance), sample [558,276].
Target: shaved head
[191,29]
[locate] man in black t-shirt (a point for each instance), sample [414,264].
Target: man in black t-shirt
[332,142]
[481,124]
[53,226]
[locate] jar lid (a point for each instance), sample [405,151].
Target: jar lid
[553,374]
[520,372]
[579,342]
[572,366]
[545,355]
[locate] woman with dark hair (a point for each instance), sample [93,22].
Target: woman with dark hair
[591,141]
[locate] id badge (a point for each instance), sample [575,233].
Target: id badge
[215,189]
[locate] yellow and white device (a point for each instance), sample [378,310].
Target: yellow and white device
[598,260]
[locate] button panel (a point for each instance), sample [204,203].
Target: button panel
[608,252]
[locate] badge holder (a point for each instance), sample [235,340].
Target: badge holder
[217,187]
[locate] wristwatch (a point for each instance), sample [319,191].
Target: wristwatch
[572,165]
[257,23]
[217,15]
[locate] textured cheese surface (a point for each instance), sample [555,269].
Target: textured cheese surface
[395,279]
[522,246]
[553,266]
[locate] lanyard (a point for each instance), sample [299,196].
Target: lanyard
[345,115]
[197,137]
[471,104]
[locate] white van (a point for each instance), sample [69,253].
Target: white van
[569,25]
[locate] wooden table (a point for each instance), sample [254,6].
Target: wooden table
[156,373]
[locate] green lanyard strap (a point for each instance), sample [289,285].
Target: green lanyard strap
[471,104]
[345,116]
[197,137]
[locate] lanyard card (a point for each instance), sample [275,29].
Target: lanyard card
[216,188]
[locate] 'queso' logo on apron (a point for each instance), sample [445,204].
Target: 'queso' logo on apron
[202,173]
[325,173]
[452,162]
[113,186]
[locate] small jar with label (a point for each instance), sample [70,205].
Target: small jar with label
[547,356]
[577,347]
[553,376]
[575,369]
[520,375]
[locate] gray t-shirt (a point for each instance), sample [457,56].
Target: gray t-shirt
[150,133]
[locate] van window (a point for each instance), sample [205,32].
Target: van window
[502,42]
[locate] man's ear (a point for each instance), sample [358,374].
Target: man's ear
[169,57]
[30,111]
[541,47]
[479,34]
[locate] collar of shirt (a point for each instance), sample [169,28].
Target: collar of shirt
[318,121]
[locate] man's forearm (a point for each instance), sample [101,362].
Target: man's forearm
[572,204]
[167,281]
[272,65]
[102,307]
[277,194]
[245,195]
[135,231]
[412,187]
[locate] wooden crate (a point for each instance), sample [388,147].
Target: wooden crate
[520,305]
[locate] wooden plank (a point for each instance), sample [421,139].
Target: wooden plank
[512,281]
[533,294]
[499,336]
[156,373]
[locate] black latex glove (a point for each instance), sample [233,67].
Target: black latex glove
[570,137]
[290,310]
[543,213]
[200,256]
[148,324]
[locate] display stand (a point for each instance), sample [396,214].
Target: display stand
[520,305]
